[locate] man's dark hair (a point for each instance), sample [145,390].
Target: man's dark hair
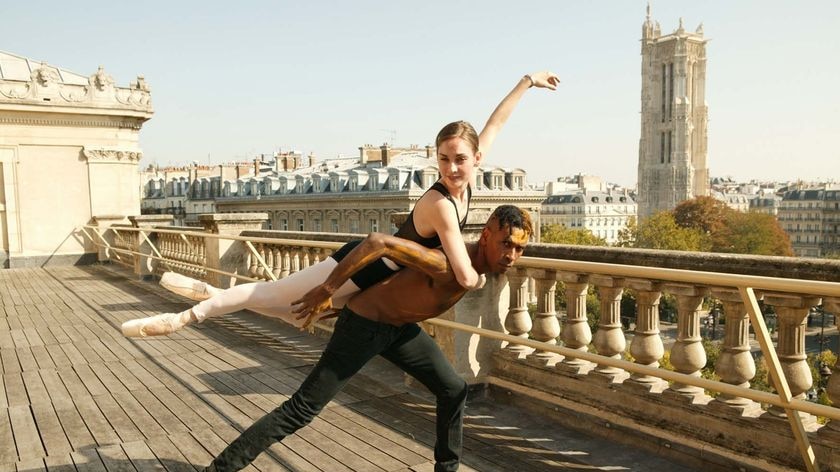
[514,217]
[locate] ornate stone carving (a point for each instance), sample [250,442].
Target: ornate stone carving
[45,76]
[112,155]
[101,80]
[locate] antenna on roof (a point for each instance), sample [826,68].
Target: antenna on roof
[392,133]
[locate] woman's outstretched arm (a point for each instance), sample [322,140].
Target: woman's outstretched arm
[502,112]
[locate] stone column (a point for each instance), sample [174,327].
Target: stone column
[144,266]
[646,347]
[225,254]
[831,430]
[791,312]
[735,365]
[103,222]
[518,320]
[546,327]
[609,339]
[687,354]
[576,331]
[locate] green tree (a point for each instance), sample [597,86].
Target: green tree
[661,231]
[707,214]
[627,235]
[559,234]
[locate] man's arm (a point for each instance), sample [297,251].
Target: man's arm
[431,262]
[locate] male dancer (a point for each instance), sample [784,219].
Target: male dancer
[382,320]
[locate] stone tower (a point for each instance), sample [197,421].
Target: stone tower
[672,147]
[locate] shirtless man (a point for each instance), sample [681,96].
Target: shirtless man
[382,320]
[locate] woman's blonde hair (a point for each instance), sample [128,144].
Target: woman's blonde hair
[458,129]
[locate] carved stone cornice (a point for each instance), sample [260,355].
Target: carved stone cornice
[45,88]
[112,155]
[133,124]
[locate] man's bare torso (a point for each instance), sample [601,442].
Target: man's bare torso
[406,297]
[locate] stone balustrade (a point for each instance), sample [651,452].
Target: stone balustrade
[726,421]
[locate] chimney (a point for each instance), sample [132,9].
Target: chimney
[362,155]
[312,159]
[257,162]
[429,151]
[386,154]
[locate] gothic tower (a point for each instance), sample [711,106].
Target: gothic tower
[672,147]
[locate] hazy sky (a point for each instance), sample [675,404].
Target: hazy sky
[233,79]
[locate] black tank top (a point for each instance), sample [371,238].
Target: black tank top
[409,231]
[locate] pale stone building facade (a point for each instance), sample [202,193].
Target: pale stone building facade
[605,214]
[811,217]
[69,154]
[672,148]
[342,195]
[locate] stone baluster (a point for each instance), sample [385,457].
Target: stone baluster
[518,320]
[735,365]
[316,255]
[687,354]
[546,327]
[831,430]
[646,347]
[792,314]
[305,260]
[295,259]
[609,339]
[285,262]
[277,258]
[576,331]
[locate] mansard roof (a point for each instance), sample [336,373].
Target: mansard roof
[14,67]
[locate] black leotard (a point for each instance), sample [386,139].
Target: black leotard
[377,270]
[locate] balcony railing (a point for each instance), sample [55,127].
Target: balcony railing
[560,354]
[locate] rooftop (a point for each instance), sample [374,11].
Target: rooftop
[76,392]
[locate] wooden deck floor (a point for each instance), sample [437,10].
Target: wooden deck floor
[77,396]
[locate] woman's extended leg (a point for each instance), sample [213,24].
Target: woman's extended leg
[267,298]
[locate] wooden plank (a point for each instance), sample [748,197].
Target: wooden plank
[169,455]
[26,433]
[377,435]
[115,459]
[144,421]
[31,465]
[51,432]
[142,457]
[73,354]
[180,409]
[75,429]
[42,357]
[26,359]
[15,390]
[96,423]
[187,445]
[351,440]
[8,451]
[117,418]
[58,356]
[60,463]
[10,361]
[139,377]
[87,461]
[91,382]
[58,394]
[340,452]
[215,443]
[35,388]
[159,412]
[107,379]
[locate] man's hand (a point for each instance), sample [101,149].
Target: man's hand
[314,303]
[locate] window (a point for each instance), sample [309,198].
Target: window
[373,224]
[300,224]
[316,225]
[284,225]
[354,226]
[334,225]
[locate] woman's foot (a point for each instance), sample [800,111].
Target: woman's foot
[158,325]
[188,287]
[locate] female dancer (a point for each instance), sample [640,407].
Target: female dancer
[436,220]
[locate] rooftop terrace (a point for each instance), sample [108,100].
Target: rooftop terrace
[76,395]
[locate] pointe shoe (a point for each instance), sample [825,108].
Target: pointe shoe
[185,286]
[158,325]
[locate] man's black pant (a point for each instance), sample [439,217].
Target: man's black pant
[355,341]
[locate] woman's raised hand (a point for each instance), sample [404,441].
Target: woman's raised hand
[545,79]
